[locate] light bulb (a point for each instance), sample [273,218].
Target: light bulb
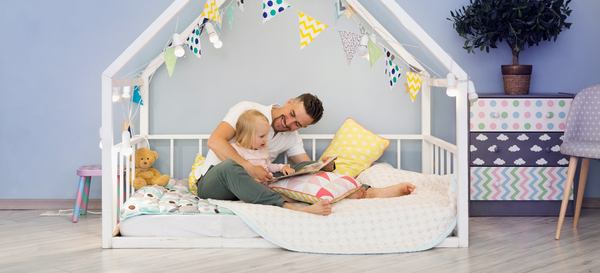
[364,40]
[115,94]
[218,44]
[213,37]
[452,92]
[179,51]
[126,92]
[362,51]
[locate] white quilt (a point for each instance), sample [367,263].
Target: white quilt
[402,224]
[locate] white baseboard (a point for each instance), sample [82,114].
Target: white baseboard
[45,204]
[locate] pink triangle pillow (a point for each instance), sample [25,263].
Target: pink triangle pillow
[311,188]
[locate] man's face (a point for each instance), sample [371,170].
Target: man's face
[293,118]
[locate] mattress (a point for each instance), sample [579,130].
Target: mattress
[197,225]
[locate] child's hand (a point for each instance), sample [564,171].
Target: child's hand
[287,170]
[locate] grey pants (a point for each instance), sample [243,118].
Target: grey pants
[230,181]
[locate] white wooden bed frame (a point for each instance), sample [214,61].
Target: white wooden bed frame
[438,156]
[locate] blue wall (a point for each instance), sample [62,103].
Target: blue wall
[54,52]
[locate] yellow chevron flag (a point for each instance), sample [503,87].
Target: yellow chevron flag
[413,84]
[309,29]
[211,11]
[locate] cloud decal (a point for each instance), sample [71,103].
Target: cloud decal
[522,137]
[478,161]
[545,137]
[555,148]
[493,148]
[502,137]
[563,161]
[520,162]
[514,148]
[481,137]
[499,161]
[535,148]
[541,161]
[472,148]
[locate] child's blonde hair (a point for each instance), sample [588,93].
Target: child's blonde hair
[245,128]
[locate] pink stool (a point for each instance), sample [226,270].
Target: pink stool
[85,174]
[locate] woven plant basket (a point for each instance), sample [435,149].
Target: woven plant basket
[516,79]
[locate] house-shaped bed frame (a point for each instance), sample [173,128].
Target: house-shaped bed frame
[438,156]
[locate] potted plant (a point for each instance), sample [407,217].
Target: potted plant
[485,23]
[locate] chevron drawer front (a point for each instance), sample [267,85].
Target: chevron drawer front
[518,183]
[515,164]
[519,114]
[517,149]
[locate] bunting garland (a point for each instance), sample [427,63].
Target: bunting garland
[413,84]
[211,11]
[374,52]
[391,68]
[271,8]
[309,29]
[193,41]
[137,97]
[350,43]
[363,44]
[170,60]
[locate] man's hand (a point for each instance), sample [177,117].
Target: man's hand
[287,170]
[329,167]
[259,173]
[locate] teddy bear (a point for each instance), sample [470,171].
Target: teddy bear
[144,173]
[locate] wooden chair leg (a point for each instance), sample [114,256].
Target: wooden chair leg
[86,195]
[585,166]
[77,204]
[566,193]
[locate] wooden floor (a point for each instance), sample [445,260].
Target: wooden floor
[32,243]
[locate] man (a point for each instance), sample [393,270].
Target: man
[296,113]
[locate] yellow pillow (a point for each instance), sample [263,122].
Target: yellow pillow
[356,148]
[192,179]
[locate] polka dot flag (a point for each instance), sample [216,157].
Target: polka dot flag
[271,8]
[391,68]
[193,41]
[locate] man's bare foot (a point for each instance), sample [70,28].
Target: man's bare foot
[391,191]
[322,207]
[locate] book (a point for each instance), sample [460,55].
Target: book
[308,169]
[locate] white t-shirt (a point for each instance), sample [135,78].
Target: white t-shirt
[288,142]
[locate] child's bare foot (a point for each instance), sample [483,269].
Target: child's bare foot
[391,191]
[322,207]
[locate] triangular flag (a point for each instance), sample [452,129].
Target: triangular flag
[271,8]
[229,16]
[137,97]
[340,8]
[391,68]
[413,84]
[309,29]
[211,11]
[374,52]
[193,41]
[350,42]
[170,60]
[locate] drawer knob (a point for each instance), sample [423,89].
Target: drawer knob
[495,115]
[549,115]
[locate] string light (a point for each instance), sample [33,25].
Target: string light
[178,44]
